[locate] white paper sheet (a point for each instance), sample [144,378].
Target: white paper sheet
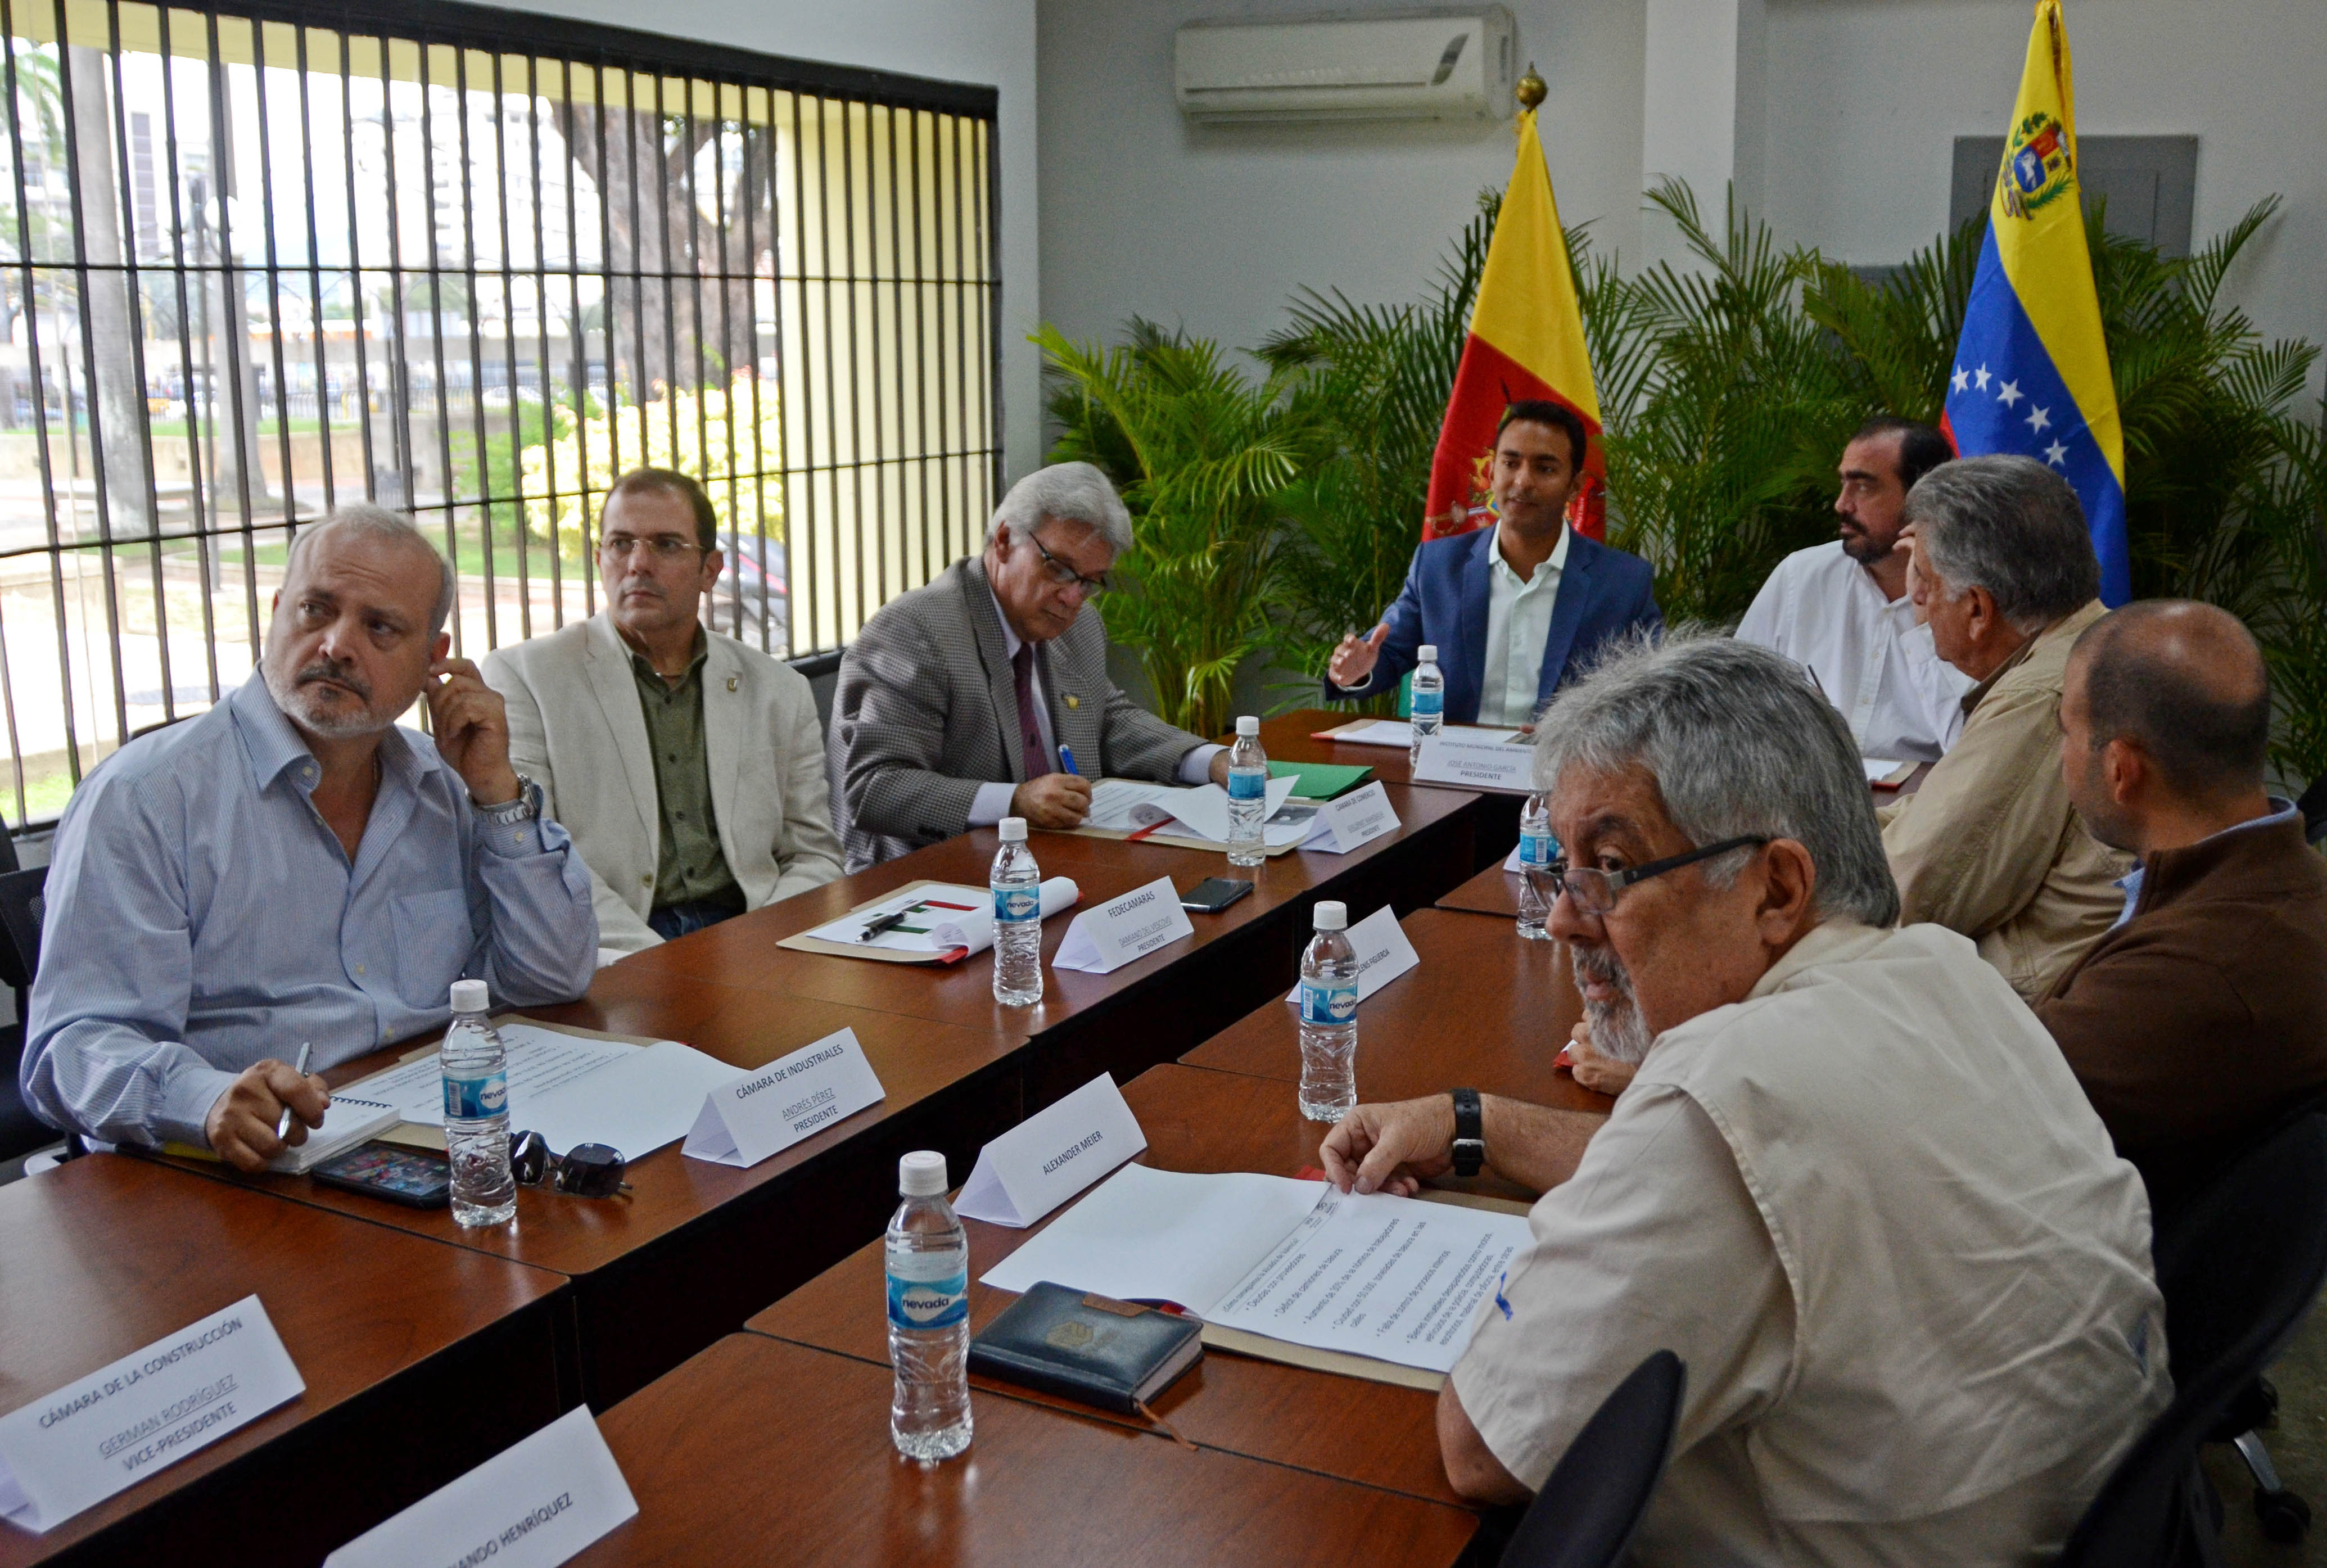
[1391,1278]
[1878,769]
[973,932]
[932,905]
[1395,732]
[1114,799]
[574,1090]
[1163,1235]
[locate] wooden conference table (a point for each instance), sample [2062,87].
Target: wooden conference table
[390,1333]
[698,1246]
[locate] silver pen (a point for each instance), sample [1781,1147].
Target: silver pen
[282,1123]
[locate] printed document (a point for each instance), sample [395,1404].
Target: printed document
[1392,1278]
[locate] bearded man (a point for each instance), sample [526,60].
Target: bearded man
[295,867]
[1854,1185]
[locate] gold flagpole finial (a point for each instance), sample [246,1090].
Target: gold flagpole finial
[1531,89]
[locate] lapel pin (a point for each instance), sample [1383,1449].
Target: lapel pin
[1073,701]
[731,683]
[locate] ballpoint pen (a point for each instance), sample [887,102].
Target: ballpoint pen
[282,1122]
[1066,756]
[889,922]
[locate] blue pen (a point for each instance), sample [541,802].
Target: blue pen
[1066,756]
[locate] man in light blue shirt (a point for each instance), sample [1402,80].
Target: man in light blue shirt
[293,867]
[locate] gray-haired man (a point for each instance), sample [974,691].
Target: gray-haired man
[2003,571]
[957,699]
[1854,1186]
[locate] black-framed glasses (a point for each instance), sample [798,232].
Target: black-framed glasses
[661,546]
[1594,890]
[584,1171]
[1064,575]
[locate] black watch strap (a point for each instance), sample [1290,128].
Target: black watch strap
[1469,1134]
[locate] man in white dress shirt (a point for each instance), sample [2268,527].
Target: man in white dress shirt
[1841,608]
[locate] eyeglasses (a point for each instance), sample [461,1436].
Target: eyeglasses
[585,1170]
[1594,890]
[662,546]
[1064,575]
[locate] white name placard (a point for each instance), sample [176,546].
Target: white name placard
[110,1430]
[533,1505]
[765,1112]
[1360,817]
[1477,759]
[1113,932]
[1383,951]
[1052,1155]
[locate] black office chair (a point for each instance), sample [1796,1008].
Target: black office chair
[2239,1265]
[21,901]
[2313,807]
[1586,1514]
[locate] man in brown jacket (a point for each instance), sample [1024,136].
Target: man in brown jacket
[2003,570]
[2201,1018]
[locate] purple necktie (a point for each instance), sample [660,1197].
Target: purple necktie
[1030,738]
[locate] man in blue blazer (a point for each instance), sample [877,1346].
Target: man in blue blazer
[1516,610]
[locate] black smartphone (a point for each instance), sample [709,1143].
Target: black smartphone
[415,1178]
[1213,894]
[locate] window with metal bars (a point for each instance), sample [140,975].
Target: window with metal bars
[258,261]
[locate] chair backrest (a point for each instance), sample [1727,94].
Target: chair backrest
[24,899]
[2313,807]
[2240,1264]
[1586,1513]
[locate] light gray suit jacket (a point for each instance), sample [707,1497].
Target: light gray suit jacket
[577,729]
[927,711]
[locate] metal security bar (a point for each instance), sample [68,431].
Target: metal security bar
[256,260]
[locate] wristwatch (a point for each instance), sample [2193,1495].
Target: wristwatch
[524,809]
[1469,1134]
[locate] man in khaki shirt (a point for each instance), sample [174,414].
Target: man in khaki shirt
[2003,570]
[1853,1187]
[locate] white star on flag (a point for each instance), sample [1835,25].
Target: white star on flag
[1980,378]
[2010,394]
[2038,418]
[2056,454]
[1961,380]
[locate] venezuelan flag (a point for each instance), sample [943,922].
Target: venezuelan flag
[1526,342]
[2032,374]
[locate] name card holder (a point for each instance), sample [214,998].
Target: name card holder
[535,1504]
[1108,935]
[1483,761]
[1050,1156]
[1384,953]
[767,1111]
[105,1432]
[1360,817]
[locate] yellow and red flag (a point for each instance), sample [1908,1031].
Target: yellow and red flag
[1526,342]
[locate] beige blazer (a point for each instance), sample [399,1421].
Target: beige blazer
[576,730]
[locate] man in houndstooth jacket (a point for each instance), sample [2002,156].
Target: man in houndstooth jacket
[929,735]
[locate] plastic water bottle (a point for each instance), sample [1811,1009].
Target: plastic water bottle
[1537,849]
[1017,885]
[476,1111]
[1329,1018]
[929,1315]
[1247,794]
[1429,705]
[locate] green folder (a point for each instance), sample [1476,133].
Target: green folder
[1321,780]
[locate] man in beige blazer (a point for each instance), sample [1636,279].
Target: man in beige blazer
[688,769]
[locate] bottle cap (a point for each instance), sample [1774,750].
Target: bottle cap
[1333,915]
[1248,724]
[1428,653]
[470,996]
[921,1174]
[1012,829]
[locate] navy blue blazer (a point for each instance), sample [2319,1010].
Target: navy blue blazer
[1603,593]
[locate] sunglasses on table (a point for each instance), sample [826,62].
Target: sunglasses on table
[584,1171]
[1594,890]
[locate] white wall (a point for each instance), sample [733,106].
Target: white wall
[1215,227]
[1866,98]
[987,42]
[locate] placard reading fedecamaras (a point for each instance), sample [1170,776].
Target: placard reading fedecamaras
[89,1440]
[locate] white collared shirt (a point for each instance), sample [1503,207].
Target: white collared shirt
[991,802]
[1518,623]
[1822,609]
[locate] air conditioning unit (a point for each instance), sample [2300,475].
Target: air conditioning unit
[1454,63]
